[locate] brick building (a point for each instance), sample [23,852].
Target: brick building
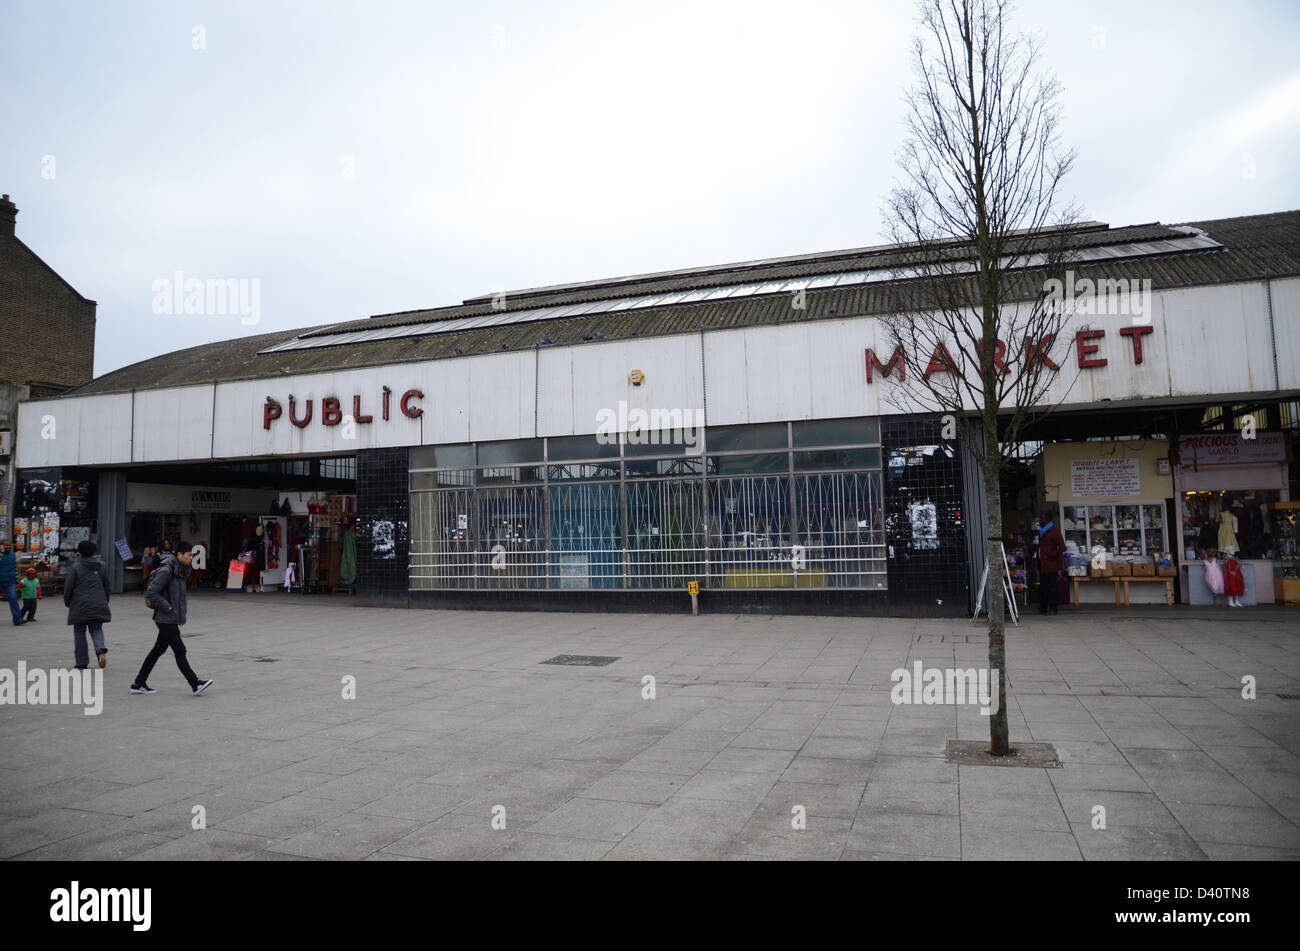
[39,306]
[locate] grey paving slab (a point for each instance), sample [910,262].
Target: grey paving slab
[905,834]
[206,845]
[981,843]
[348,836]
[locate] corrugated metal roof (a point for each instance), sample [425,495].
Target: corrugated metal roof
[1252,246]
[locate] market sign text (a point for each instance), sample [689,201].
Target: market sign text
[941,360]
[331,409]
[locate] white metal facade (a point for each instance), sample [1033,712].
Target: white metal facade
[1207,342]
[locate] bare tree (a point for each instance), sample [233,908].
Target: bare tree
[981,230]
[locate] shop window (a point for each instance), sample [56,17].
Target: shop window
[512,451]
[842,529]
[577,448]
[837,459]
[447,478]
[582,472]
[735,465]
[442,457]
[661,468]
[511,475]
[666,534]
[742,438]
[836,432]
[666,443]
[585,549]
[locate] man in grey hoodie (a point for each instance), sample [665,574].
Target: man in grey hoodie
[166,595]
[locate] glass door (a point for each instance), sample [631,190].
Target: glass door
[1101,529]
[1128,530]
[1074,526]
[1153,529]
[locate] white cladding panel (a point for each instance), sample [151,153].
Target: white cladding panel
[32,448]
[576,385]
[173,424]
[1218,340]
[1286,316]
[502,392]
[90,431]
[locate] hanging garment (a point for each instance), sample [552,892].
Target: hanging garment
[1234,582]
[1228,531]
[348,559]
[1213,576]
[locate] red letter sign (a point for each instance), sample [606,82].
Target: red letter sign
[330,415]
[895,361]
[1136,334]
[407,410]
[269,412]
[1084,349]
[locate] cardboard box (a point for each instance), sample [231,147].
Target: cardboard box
[1144,571]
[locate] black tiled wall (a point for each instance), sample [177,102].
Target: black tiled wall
[924,580]
[383,499]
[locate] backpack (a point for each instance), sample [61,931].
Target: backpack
[148,603]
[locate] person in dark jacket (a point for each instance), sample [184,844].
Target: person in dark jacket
[86,592]
[1051,546]
[166,595]
[9,580]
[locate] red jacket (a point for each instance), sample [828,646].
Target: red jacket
[1050,548]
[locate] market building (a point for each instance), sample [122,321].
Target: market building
[603,445]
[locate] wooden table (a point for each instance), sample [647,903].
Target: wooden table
[1115,581]
[1169,586]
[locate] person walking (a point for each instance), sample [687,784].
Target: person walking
[1051,546]
[166,595]
[86,593]
[29,590]
[9,580]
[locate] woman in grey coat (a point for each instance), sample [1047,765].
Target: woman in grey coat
[85,592]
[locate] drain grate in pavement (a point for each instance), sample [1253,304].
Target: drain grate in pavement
[1289,696]
[581,660]
[976,753]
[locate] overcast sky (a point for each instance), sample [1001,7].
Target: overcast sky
[365,158]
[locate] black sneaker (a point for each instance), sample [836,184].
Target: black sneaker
[19,621]
[201,686]
[143,688]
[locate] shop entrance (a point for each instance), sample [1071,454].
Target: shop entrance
[275,525]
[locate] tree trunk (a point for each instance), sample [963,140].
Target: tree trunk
[998,732]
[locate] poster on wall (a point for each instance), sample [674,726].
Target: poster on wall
[20,534]
[1103,478]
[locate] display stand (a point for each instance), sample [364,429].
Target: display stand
[1008,586]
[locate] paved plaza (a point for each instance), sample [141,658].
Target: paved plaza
[458,728]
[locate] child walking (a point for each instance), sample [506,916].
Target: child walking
[29,589]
